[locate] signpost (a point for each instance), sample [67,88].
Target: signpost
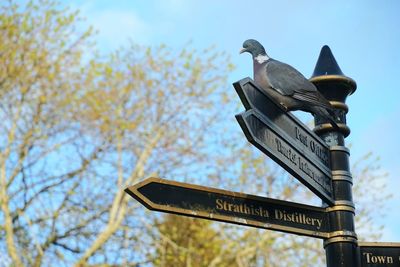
[231,207]
[375,254]
[304,154]
[285,139]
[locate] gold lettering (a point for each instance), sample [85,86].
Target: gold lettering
[368,256]
[220,204]
[314,221]
[302,218]
[381,259]
[230,206]
[241,208]
[246,209]
[295,217]
[319,223]
[236,208]
[377,259]
[289,217]
[225,205]
[278,215]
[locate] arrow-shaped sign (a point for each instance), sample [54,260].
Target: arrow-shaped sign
[285,139]
[376,254]
[232,207]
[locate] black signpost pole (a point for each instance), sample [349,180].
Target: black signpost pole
[341,246]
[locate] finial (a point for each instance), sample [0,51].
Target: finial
[335,87]
[326,64]
[327,70]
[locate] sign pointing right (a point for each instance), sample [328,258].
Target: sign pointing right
[285,139]
[376,254]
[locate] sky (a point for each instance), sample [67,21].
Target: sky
[363,35]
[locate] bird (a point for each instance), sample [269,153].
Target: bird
[286,85]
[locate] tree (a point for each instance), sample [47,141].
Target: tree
[146,104]
[40,58]
[77,130]
[189,242]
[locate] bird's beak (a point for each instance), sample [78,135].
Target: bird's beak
[242,50]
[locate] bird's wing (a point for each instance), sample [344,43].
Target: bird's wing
[315,98]
[290,82]
[286,79]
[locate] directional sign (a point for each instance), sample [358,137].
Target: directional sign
[376,254]
[232,207]
[285,139]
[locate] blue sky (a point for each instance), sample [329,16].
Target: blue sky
[363,35]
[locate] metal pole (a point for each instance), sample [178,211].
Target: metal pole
[341,246]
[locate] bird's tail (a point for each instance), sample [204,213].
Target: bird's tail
[327,114]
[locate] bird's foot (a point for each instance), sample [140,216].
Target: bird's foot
[284,106]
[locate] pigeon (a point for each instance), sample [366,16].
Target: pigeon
[286,85]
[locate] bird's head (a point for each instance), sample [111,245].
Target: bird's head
[253,47]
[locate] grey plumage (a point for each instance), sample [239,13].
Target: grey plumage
[285,84]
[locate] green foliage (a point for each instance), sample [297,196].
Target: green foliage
[188,242]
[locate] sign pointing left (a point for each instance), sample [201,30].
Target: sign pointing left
[232,207]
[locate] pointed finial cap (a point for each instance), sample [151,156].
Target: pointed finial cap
[326,64]
[328,71]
